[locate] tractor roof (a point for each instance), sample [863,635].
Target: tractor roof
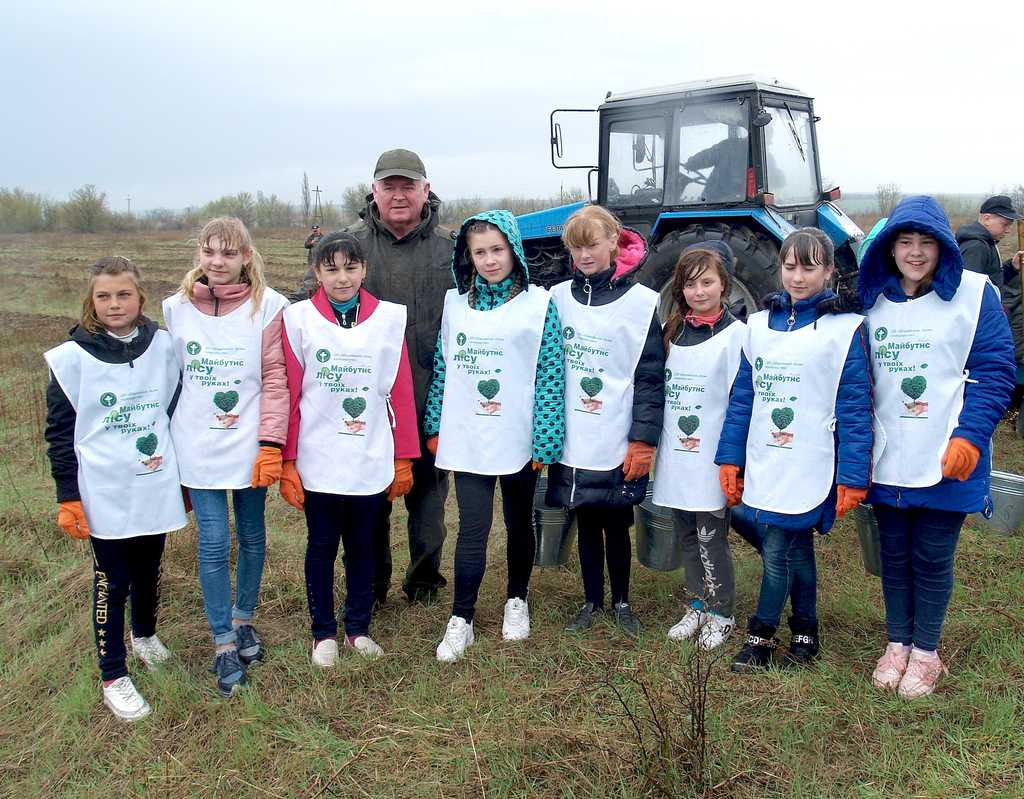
[731,83]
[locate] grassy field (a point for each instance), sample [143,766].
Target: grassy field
[536,719]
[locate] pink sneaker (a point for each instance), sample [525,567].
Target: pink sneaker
[891,667]
[922,673]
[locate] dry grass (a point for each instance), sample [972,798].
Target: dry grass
[510,719]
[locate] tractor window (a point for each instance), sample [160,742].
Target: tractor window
[792,176]
[636,162]
[714,152]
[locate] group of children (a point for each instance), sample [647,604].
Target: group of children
[808,409]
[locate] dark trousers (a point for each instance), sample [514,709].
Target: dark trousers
[789,571]
[707,558]
[332,519]
[604,532]
[425,505]
[475,496]
[918,546]
[123,568]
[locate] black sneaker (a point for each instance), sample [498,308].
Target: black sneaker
[584,619]
[250,647]
[230,672]
[803,645]
[756,654]
[627,620]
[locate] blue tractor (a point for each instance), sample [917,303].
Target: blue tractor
[734,159]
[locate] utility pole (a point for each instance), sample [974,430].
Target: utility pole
[129,199]
[318,211]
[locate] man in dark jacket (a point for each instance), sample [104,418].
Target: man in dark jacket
[408,260]
[978,240]
[310,244]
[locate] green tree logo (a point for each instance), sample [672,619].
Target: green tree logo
[591,386]
[460,339]
[146,444]
[108,399]
[914,387]
[226,400]
[323,355]
[354,406]
[193,348]
[783,417]
[568,333]
[881,334]
[688,424]
[489,388]
[759,364]
[668,375]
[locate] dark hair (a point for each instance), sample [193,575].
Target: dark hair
[692,263]
[340,243]
[809,246]
[482,226]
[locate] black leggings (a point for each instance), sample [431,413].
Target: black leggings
[123,568]
[475,496]
[604,530]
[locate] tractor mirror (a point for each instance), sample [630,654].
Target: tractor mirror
[762,117]
[639,148]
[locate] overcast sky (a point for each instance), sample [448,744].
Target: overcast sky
[177,103]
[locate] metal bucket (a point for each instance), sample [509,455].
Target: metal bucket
[1007,504]
[555,529]
[657,545]
[870,544]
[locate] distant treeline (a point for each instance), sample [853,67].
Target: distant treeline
[86,210]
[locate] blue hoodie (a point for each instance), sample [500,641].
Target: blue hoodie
[990,361]
[854,431]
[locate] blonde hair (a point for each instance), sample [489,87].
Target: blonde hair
[588,225]
[111,265]
[233,234]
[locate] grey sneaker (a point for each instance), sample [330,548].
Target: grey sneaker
[584,619]
[627,620]
[250,647]
[230,672]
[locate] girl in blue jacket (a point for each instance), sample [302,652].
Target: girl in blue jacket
[796,444]
[944,373]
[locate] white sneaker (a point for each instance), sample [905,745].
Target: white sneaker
[516,626]
[124,700]
[150,651]
[365,646]
[714,631]
[457,636]
[687,626]
[325,653]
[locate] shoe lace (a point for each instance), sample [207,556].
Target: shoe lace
[124,689]
[925,669]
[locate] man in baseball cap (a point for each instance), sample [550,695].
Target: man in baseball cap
[978,240]
[399,163]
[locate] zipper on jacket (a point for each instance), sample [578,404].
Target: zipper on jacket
[791,321]
[216,304]
[572,491]
[587,289]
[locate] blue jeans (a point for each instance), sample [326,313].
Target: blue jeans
[918,547]
[211,509]
[789,571]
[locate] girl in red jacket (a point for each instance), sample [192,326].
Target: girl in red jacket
[352,434]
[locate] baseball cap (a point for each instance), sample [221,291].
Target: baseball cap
[400,163]
[1000,204]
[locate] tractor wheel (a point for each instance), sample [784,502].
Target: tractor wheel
[548,264]
[754,275]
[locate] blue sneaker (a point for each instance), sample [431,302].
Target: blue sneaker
[250,647]
[230,672]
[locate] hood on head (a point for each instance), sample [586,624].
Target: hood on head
[974,231]
[505,221]
[921,214]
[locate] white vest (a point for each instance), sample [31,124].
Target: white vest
[790,445]
[602,346]
[919,351]
[216,424]
[490,373]
[127,470]
[346,444]
[698,380]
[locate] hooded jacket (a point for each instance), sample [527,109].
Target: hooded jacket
[549,383]
[990,361]
[60,413]
[606,487]
[413,271]
[854,434]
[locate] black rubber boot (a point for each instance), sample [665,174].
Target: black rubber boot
[758,650]
[803,644]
